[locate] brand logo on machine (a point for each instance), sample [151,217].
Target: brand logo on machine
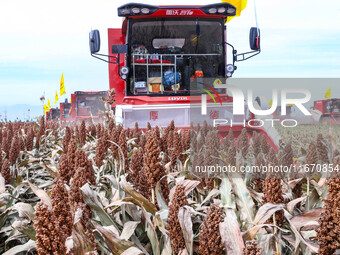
[154,115]
[177,98]
[180,12]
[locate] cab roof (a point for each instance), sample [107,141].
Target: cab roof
[137,11]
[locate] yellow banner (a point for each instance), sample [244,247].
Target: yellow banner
[56,99]
[239,4]
[328,93]
[62,85]
[46,109]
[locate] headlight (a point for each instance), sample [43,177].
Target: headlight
[126,11]
[212,10]
[124,70]
[221,10]
[230,68]
[145,10]
[231,10]
[123,76]
[135,10]
[229,74]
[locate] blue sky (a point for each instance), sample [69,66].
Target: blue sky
[42,39]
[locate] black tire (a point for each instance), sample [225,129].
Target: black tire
[325,120]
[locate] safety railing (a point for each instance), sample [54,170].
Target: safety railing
[150,63]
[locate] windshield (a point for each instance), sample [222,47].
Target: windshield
[55,114]
[88,105]
[66,110]
[167,56]
[336,106]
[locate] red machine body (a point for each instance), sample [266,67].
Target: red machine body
[48,116]
[184,43]
[53,114]
[85,105]
[329,110]
[65,111]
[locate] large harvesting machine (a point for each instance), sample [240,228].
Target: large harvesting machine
[65,111]
[165,57]
[86,104]
[327,111]
[53,114]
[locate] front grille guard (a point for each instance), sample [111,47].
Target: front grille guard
[148,63]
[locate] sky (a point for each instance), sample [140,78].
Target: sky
[40,40]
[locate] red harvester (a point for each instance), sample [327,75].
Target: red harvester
[165,57]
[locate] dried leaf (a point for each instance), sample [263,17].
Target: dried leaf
[188,185]
[307,220]
[41,194]
[231,233]
[90,198]
[244,202]
[30,245]
[313,247]
[142,201]
[291,205]
[129,229]
[251,233]
[132,251]
[25,210]
[226,193]
[265,212]
[212,193]
[115,244]
[185,222]
[2,184]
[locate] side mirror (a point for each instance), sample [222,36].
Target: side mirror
[94,41]
[119,49]
[254,38]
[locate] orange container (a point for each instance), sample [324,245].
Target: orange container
[155,84]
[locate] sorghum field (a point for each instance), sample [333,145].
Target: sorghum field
[99,189]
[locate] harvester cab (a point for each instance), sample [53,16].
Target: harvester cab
[327,111]
[164,58]
[65,108]
[48,116]
[54,114]
[87,104]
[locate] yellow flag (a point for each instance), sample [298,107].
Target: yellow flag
[270,103]
[46,109]
[328,93]
[291,104]
[70,99]
[62,85]
[56,97]
[48,103]
[239,4]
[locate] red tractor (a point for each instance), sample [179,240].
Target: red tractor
[87,104]
[164,58]
[53,114]
[65,111]
[327,111]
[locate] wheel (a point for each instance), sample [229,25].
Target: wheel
[325,120]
